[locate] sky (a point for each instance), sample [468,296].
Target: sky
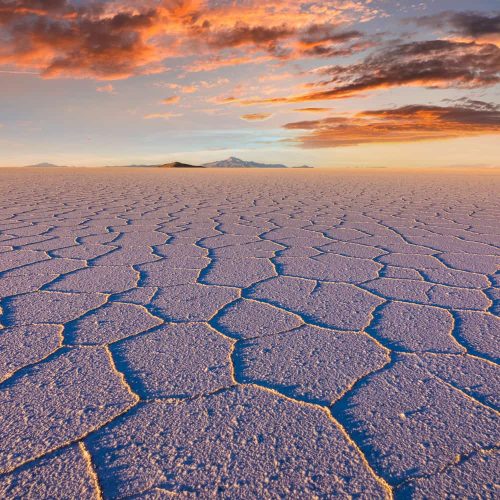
[339,83]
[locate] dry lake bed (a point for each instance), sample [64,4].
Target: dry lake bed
[249,334]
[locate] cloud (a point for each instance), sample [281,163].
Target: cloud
[216,62]
[108,89]
[475,25]
[193,87]
[286,41]
[256,116]
[404,124]
[161,116]
[84,40]
[185,89]
[327,40]
[313,110]
[431,64]
[275,77]
[171,100]
[122,38]
[243,34]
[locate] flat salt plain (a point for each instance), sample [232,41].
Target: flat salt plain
[249,334]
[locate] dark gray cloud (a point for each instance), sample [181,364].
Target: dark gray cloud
[467,24]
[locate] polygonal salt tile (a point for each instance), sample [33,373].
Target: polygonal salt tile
[138,295]
[51,266]
[472,477]
[445,243]
[331,305]
[242,442]
[52,244]
[176,361]
[310,364]
[17,284]
[352,250]
[63,474]
[411,261]
[126,256]
[192,302]
[480,333]
[329,267]
[261,249]
[454,277]
[141,238]
[162,274]
[458,298]
[237,272]
[410,424]
[23,345]
[476,377]
[483,264]
[56,402]
[224,240]
[400,289]
[97,279]
[83,251]
[249,318]
[16,258]
[112,322]
[183,255]
[400,273]
[417,328]
[50,307]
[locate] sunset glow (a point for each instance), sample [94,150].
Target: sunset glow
[335,83]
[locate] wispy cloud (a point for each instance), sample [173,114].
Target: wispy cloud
[313,110]
[404,124]
[431,64]
[162,116]
[171,100]
[472,25]
[256,116]
[108,89]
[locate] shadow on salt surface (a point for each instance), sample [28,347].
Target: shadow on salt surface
[133,378]
[27,370]
[459,327]
[240,364]
[202,277]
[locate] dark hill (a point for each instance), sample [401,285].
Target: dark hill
[178,164]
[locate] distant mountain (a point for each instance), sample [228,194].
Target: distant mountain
[233,162]
[131,166]
[178,164]
[44,165]
[174,164]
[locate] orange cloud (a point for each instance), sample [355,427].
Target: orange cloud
[217,62]
[123,38]
[313,110]
[432,64]
[405,124]
[161,116]
[109,89]
[256,116]
[171,100]
[60,39]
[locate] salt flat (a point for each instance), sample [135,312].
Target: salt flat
[249,334]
